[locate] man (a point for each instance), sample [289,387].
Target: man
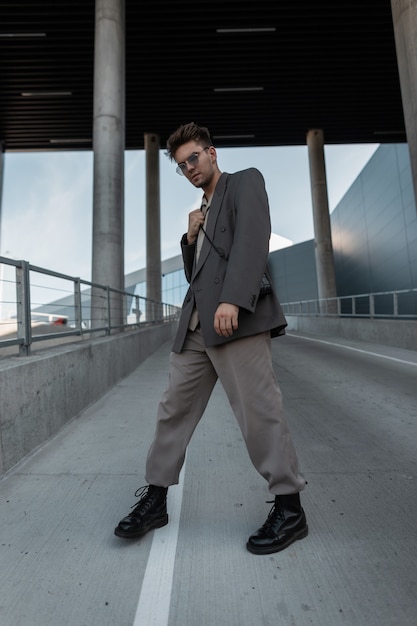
[224,332]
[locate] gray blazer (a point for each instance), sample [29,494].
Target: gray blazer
[239,226]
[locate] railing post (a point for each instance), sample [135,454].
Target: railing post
[77,305]
[371,305]
[137,309]
[24,330]
[108,327]
[395,304]
[124,309]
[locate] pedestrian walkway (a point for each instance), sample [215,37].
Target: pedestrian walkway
[62,565]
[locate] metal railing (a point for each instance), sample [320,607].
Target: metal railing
[401,304]
[37,304]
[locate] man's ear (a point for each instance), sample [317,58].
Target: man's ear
[212,152]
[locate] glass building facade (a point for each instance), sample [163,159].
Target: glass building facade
[374,235]
[174,284]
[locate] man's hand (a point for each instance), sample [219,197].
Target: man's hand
[195,222]
[225,319]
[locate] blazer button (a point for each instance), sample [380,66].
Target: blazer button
[222,229]
[216,281]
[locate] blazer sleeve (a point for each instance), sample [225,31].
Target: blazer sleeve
[188,254]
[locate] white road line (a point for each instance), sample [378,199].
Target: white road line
[340,345]
[155,596]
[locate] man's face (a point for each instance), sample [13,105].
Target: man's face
[197,162]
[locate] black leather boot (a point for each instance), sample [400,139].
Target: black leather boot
[285,524]
[150,512]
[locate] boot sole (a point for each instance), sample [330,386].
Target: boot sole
[158,523]
[301,534]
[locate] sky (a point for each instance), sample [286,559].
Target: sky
[47,200]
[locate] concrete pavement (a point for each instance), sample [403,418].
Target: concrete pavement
[353,416]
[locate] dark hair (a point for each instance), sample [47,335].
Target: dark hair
[185,133]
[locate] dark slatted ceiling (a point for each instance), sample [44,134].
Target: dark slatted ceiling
[315,64]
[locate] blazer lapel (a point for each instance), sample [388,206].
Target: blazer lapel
[215,206]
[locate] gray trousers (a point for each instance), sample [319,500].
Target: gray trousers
[244,367]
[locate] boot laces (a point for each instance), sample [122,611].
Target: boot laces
[276,513]
[144,503]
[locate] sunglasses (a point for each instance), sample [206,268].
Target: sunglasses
[191,161]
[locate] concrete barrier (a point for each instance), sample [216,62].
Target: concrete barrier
[396,333]
[41,393]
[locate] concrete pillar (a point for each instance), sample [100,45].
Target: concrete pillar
[322,233]
[108,146]
[404,15]
[1,188]
[1,249]
[153,226]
